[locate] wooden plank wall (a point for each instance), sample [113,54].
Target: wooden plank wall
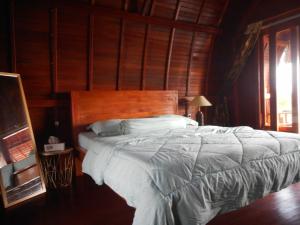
[59,46]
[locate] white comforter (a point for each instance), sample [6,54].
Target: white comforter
[188,176]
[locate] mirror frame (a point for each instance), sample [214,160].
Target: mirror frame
[43,189]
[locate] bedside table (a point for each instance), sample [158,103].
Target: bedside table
[58,168]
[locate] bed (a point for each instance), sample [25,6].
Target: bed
[181,176]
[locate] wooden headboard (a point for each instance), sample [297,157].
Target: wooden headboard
[90,106]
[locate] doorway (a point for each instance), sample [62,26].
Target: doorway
[279,82]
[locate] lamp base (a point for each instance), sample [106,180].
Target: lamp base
[200,118]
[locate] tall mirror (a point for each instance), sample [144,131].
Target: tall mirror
[20,174]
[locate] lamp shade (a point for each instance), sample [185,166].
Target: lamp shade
[200,101]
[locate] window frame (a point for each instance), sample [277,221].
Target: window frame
[294,26]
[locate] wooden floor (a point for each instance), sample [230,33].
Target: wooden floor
[89,204]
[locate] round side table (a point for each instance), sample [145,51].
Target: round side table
[58,168]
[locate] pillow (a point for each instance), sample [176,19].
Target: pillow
[143,125]
[106,128]
[189,121]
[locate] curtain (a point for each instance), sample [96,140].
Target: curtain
[249,40]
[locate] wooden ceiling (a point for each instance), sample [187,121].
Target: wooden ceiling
[203,12]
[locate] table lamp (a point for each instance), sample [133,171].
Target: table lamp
[200,101]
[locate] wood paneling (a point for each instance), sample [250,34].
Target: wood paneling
[131,63]
[32,48]
[156,57]
[60,46]
[120,53]
[164,8]
[72,49]
[91,52]
[212,11]
[108,3]
[53,49]
[4,37]
[106,41]
[199,62]
[12,33]
[179,61]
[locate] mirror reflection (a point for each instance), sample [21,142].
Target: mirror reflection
[19,168]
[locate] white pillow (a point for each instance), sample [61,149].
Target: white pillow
[106,128]
[189,121]
[143,125]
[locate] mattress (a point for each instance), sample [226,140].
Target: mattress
[188,176]
[86,139]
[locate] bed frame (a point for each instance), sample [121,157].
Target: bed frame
[90,106]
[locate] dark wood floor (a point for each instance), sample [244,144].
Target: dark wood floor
[89,204]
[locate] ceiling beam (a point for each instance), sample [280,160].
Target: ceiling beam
[200,11]
[158,21]
[143,19]
[223,12]
[191,52]
[145,48]
[147,4]
[170,46]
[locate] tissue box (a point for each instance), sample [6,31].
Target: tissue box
[54,147]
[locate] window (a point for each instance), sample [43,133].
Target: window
[279,78]
[19,145]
